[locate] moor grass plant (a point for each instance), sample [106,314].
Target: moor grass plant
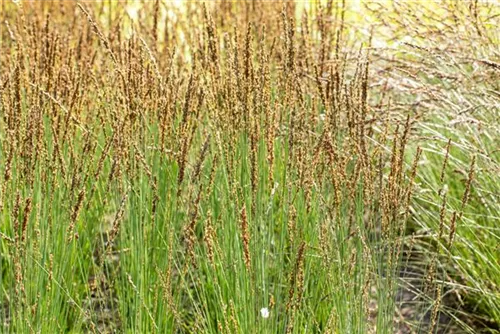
[248,167]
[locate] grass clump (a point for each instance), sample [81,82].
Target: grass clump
[233,168]
[446,71]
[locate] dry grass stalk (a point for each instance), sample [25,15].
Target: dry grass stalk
[296,287]
[245,237]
